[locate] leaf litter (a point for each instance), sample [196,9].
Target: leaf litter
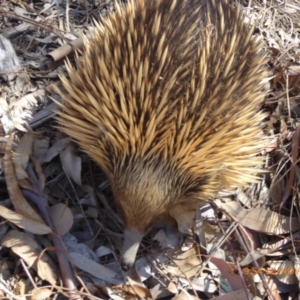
[60,233]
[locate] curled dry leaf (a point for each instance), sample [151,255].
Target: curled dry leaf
[260,219]
[62,218]
[24,222]
[28,249]
[20,203]
[268,221]
[277,248]
[71,163]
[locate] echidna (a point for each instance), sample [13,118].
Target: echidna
[165,99]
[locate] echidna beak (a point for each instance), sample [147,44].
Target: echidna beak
[132,240]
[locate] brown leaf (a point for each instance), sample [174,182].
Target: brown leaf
[186,263]
[260,219]
[28,249]
[21,155]
[137,290]
[62,218]
[24,222]
[234,280]
[20,203]
[71,163]
[40,294]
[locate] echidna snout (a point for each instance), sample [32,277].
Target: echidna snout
[132,240]
[143,191]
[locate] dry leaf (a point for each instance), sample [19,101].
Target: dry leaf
[21,155]
[40,294]
[260,219]
[102,251]
[284,271]
[28,249]
[20,203]
[71,163]
[95,269]
[62,218]
[172,288]
[24,222]
[234,280]
[138,290]
[55,149]
[186,263]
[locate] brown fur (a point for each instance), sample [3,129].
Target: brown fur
[165,99]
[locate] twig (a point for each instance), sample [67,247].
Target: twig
[28,273]
[37,196]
